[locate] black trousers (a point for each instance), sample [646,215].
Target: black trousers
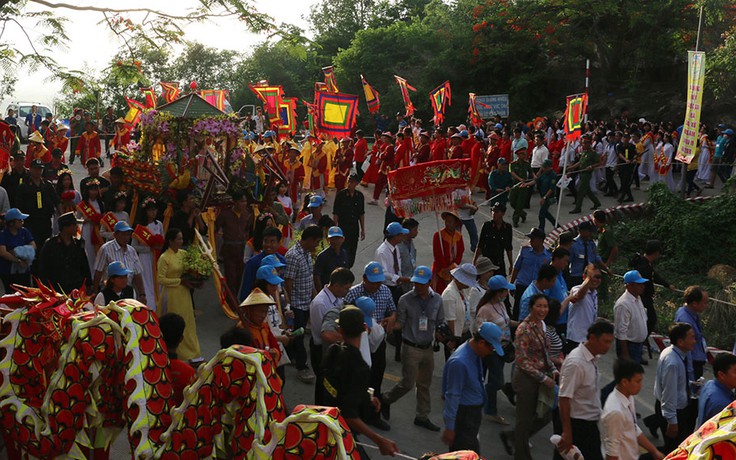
[611,188]
[378,367]
[467,424]
[315,357]
[587,438]
[520,288]
[352,236]
[627,174]
[685,424]
[296,349]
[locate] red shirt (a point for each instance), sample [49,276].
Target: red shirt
[402,154]
[467,146]
[361,150]
[423,154]
[439,149]
[456,152]
[505,145]
[181,374]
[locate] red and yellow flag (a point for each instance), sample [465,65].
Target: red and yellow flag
[330,79]
[372,97]
[473,113]
[135,110]
[151,98]
[577,105]
[441,97]
[215,97]
[405,87]
[272,98]
[287,113]
[170,90]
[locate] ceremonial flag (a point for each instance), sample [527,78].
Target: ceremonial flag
[335,113]
[428,186]
[441,97]
[372,97]
[405,87]
[287,113]
[330,79]
[690,130]
[171,91]
[319,86]
[135,109]
[215,97]
[577,105]
[150,96]
[473,113]
[271,96]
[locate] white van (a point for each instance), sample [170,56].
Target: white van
[22,109]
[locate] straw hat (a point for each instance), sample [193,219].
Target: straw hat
[35,137]
[257,297]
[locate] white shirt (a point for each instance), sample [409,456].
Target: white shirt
[619,431]
[539,154]
[581,315]
[321,304]
[630,318]
[458,307]
[385,256]
[579,383]
[611,155]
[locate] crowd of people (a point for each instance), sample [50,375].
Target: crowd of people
[291,265]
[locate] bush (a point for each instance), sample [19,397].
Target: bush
[695,236]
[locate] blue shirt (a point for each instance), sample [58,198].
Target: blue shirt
[670,384]
[578,258]
[714,397]
[10,241]
[528,263]
[684,315]
[559,292]
[249,273]
[524,301]
[462,383]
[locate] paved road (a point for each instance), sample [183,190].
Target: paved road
[412,440]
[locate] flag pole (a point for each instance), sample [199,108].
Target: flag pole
[587,83]
[564,173]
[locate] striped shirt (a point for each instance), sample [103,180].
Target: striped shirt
[384,301]
[299,269]
[112,252]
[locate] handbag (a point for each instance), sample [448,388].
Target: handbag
[509,351]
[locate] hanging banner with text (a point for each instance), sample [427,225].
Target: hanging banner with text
[691,128]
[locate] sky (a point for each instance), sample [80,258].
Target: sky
[91,45]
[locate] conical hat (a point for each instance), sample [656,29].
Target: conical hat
[35,137]
[257,297]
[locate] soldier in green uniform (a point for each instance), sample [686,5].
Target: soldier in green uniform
[547,184]
[589,159]
[521,171]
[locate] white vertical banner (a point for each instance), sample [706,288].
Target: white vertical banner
[691,128]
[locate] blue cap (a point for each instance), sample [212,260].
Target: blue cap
[270,274]
[498,126]
[367,306]
[15,214]
[422,275]
[463,133]
[633,276]
[374,272]
[273,261]
[117,269]
[122,226]
[335,232]
[491,333]
[498,282]
[729,131]
[395,228]
[269,133]
[315,202]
